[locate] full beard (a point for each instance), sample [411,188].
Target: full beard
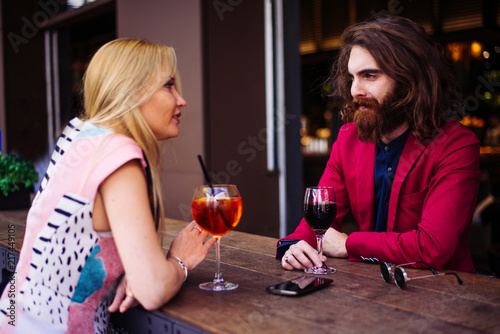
[378,119]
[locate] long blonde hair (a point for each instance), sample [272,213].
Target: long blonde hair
[121,77]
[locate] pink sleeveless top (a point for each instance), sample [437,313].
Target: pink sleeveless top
[67,271]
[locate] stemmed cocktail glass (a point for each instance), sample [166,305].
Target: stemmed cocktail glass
[320,209]
[217,209]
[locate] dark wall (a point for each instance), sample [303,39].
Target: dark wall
[236,114]
[236,110]
[293,105]
[24,64]
[24,25]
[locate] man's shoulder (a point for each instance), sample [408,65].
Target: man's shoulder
[348,130]
[351,126]
[453,131]
[451,139]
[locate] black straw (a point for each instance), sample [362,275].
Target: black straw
[207,177]
[209,181]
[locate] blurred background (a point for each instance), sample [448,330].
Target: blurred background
[254,75]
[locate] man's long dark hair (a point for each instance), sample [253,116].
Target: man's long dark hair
[406,54]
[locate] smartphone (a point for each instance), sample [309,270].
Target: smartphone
[299,286]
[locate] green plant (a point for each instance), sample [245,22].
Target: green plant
[14,172]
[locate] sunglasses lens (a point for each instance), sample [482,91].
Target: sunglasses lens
[384,270]
[399,278]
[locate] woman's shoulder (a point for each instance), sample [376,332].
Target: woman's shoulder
[105,140]
[97,148]
[90,130]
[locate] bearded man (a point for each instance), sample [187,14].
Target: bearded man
[403,165]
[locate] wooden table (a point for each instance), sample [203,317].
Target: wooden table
[358,301]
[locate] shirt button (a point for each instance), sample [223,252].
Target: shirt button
[387,148]
[389,169]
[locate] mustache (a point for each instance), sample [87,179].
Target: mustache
[366,102]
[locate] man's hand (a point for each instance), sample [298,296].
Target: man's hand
[334,243]
[301,256]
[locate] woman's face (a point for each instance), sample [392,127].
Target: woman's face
[162,111]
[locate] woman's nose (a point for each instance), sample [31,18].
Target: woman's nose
[180,101]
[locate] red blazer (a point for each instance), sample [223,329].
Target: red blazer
[432,199]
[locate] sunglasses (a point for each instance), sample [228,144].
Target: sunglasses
[389,271]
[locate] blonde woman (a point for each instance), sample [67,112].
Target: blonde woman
[99,206]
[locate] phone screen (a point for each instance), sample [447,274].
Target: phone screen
[299,285]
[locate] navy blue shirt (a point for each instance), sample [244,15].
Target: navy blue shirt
[386,161]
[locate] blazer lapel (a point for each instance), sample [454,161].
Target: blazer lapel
[411,152]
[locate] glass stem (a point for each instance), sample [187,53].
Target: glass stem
[319,246]
[218,273]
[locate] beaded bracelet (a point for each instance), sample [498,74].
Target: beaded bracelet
[183,266]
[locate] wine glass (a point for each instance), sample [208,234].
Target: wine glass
[320,209]
[217,209]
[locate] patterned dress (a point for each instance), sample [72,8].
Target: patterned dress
[67,271]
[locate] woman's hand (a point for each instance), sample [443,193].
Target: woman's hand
[191,246]
[124,298]
[301,256]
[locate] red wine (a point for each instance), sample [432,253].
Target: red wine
[320,215]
